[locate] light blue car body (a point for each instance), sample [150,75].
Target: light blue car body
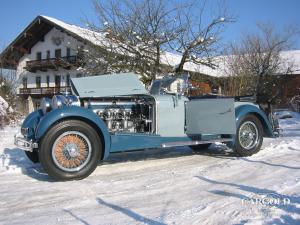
[178,119]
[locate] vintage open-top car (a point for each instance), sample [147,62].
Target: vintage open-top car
[113,113]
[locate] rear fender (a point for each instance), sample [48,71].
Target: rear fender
[74,112]
[248,108]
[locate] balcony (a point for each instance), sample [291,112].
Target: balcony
[53,63]
[45,90]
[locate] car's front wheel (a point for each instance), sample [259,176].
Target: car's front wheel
[33,156]
[70,150]
[249,136]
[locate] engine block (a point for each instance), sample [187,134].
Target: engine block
[126,115]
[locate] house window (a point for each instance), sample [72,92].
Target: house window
[24,81]
[57,53]
[38,81]
[38,56]
[68,80]
[48,54]
[80,53]
[48,81]
[68,52]
[57,81]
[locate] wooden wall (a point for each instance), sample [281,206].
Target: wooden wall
[290,87]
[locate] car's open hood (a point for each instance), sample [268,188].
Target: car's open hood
[108,85]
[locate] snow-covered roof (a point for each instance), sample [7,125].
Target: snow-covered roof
[293,57]
[173,60]
[89,35]
[289,65]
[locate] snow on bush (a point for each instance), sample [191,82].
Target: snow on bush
[3,107]
[7,114]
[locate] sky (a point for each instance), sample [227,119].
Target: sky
[15,15]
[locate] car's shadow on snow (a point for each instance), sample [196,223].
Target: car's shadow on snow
[15,160]
[164,153]
[222,152]
[215,150]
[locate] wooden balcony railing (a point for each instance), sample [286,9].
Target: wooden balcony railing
[45,90]
[53,63]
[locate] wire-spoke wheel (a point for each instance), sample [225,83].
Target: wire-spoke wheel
[70,150]
[249,136]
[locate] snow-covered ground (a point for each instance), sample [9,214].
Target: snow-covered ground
[173,186]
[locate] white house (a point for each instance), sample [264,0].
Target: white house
[46,56]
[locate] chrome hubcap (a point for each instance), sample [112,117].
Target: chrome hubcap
[248,135]
[71,151]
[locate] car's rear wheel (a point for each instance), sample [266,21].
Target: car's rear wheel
[201,147]
[249,136]
[70,150]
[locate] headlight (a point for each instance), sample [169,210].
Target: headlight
[58,101]
[24,131]
[72,100]
[45,105]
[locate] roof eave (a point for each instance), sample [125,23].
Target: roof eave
[5,53]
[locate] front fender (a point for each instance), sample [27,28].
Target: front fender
[31,122]
[248,108]
[73,112]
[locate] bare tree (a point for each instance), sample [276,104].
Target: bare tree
[252,64]
[136,33]
[199,42]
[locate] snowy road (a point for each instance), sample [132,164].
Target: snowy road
[173,186]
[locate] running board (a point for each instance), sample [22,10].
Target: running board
[184,143]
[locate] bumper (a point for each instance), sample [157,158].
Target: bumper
[25,145]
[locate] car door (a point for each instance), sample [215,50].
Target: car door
[170,110]
[210,116]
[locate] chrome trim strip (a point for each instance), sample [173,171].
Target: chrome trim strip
[109,103]
[185,143]
[156,113]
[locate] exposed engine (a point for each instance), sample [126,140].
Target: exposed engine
[126,115]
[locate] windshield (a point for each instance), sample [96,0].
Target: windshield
[165,85]
[155,87]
